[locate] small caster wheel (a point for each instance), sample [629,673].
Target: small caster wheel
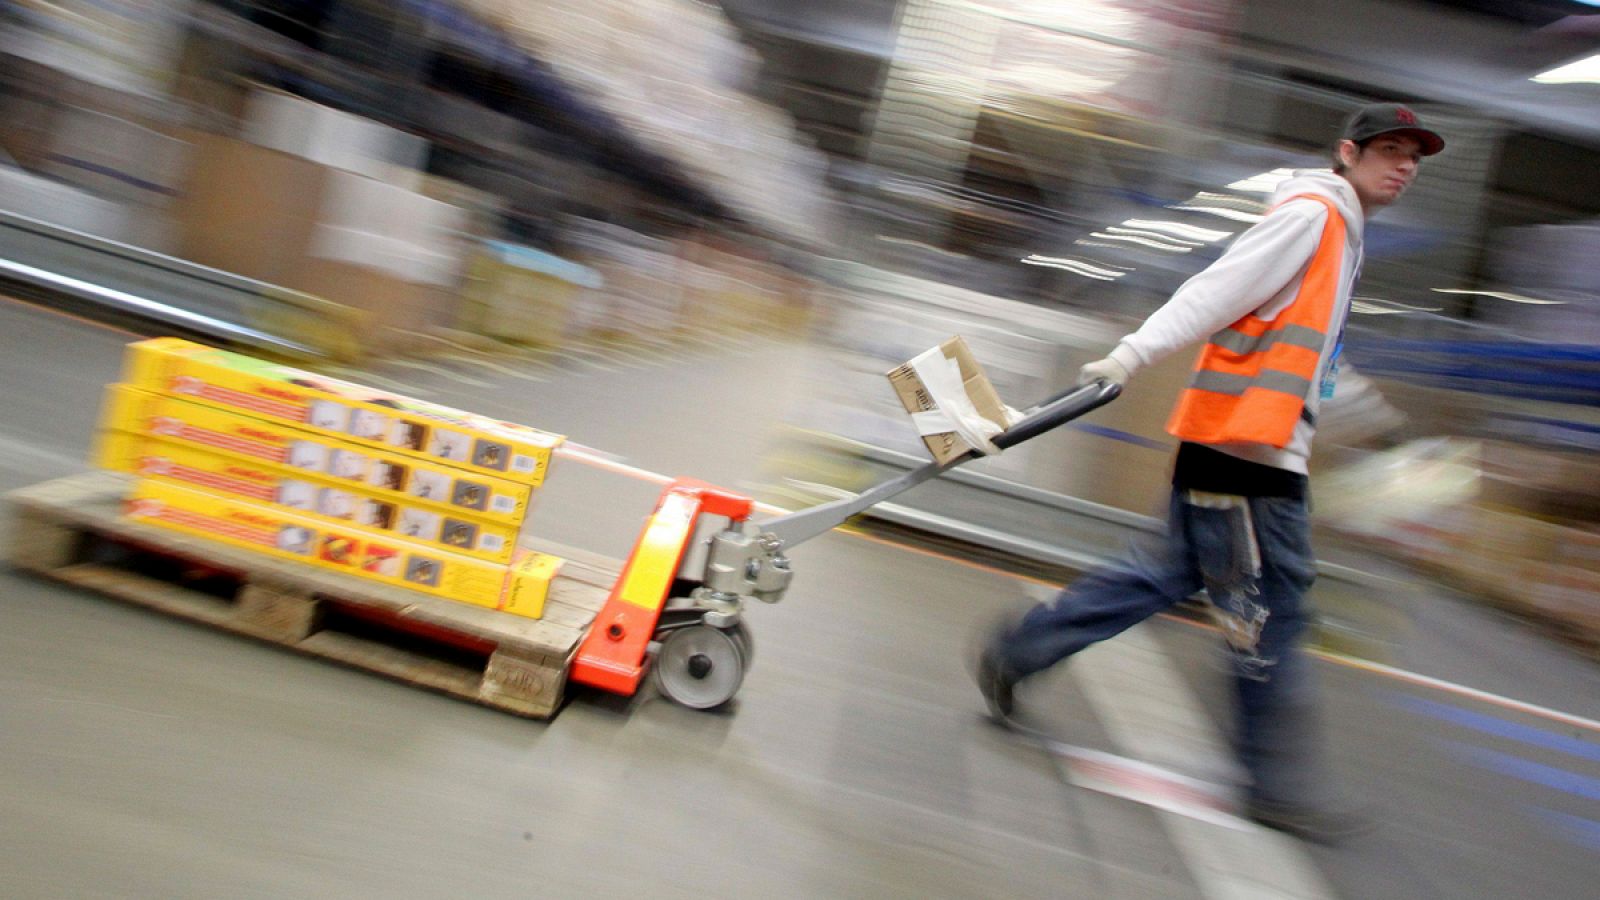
[700,667]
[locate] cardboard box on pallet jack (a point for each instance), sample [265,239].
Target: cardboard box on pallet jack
[947,383]
[328,406]
[332,500]
[385,475]
[520,588]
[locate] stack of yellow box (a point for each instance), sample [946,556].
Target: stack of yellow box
[338,475]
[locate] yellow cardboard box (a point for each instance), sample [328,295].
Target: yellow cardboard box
[337,501]
[519,589]
[241,437]
[315,542]
[352,412]
[528,583]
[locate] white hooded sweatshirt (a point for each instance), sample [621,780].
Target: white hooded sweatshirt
[1260,273]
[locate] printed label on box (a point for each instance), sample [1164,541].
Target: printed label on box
[302,492]
[240,438]
[528,582]
[285,535]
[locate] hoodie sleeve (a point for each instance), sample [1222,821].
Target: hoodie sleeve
[1259,264]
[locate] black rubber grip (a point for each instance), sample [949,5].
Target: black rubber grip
[1059,410]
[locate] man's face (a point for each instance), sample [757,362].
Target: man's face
[1382,171]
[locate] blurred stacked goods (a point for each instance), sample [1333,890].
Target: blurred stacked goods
[330,473]
[414,174]
[621,285]
[84,114]
[1517,526]
[328,203]
[675,73]
[522,295]
[1551,265]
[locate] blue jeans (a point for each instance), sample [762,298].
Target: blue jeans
[1252,555]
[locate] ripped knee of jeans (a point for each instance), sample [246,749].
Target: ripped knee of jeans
[1253,666]
[1241,620]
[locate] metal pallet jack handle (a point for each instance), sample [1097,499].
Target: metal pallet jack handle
[795,527]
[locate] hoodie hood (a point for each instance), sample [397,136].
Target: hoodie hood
[1324,183]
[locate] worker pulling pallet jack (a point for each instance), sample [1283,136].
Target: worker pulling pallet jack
[687,626]
[1271,313]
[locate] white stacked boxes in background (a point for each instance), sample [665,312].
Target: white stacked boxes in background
[369,483]
[329,137]
[331,204]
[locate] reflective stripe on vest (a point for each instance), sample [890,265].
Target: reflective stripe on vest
[1253,377]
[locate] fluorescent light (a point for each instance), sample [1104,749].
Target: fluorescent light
[1097,268]
[1265,183]
[1180,229]
[1369,307]
[1580,72]
[1234,214]
[1067,266]
[1228,200]
[1225,205]
[1154,235]
[1143,242]
[1503,295]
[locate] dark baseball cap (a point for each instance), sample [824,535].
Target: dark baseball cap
[1368,122]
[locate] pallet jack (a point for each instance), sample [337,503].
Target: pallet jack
[679,614]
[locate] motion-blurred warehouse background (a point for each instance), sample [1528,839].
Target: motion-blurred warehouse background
[353,181]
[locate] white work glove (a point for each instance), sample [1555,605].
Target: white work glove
[1107,369]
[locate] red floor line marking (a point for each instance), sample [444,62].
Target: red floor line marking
[1148,784]
[589,458]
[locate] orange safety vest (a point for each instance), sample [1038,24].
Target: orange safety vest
[1253,377]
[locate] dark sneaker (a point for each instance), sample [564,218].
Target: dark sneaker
[1317,824]
[995,686]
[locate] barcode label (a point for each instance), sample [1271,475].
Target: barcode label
[522,463]
[504,504]
[493,542]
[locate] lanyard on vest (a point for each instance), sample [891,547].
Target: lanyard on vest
[1331,375]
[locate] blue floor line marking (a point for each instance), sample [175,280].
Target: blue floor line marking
[1585,832]
[1537,773]
[1124,436]
[1527,734]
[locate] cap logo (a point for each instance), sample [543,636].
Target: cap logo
[1405,116]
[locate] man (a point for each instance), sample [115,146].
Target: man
[1271,311]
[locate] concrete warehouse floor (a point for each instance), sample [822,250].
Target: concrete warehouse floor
[147,757]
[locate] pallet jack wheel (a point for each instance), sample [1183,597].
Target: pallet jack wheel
[701,667]
[746,643]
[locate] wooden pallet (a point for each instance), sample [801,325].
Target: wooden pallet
[71,530]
